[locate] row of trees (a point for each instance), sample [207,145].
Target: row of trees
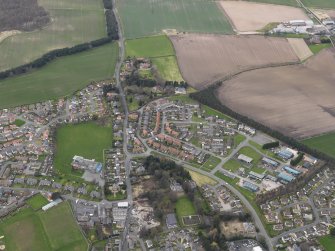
[296,160]
[112,31]
[270,145]
[208,97]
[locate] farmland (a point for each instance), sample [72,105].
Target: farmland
[324,143]
[206,58]
[282,2]
[73,22]
[248,16]
[300,47]
[30,230]
[61,77]
[325,4]
[142,18]
[280,97]
[87,140]
[160,50]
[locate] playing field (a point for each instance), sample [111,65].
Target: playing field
[61,77]
[37,201]
[38,231]
[141,18]
[184,207]
[73,22]
[87,140]
[324,143]
[160,50]
[325,4]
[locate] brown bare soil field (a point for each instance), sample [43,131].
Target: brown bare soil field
[300,47]
[331,13]
[250,16]
[296,100]
[204,59]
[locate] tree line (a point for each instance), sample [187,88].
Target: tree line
[112,32]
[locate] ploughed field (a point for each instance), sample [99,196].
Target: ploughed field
[296,100]
[142,18]
[72,22]
[204,59]
[249,16]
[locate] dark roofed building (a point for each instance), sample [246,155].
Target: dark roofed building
[171,221]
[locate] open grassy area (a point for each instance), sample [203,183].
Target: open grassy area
[257,169]
[238,139]
[142,18]
[61,77]
[38,231]
[37,201]
[19,122]
[316,48]
[87,140]
[211,112]
[160,50]
[232,165]
[201,179]
[184,207]
[211,163]
[281,2]
[325,4]
[73,22]
[324,143]
[327,242]
[248,151]
[62,230]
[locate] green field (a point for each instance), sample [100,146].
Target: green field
[19,122]
[316,48]
[73,22]
[248,151]
[282,2]
[327,242]
[232,165]
[324,143]
[38,231]
[325,4]
[161,52]
[37,201]
[87,140]
[211,163]
[184,207]
[61,77]
[141,18]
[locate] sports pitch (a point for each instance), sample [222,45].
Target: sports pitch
[61,77]
[87,140]
[142,18]
[73,22]
[54,229]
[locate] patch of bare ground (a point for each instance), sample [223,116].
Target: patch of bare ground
[300,48]
[204,59]
[250,16]
[296,100]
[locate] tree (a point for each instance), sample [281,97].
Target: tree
[332,231]
[55,196]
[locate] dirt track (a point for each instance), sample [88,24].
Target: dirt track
[296,100]
[205,58]
[249,16]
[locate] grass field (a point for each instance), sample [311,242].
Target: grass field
[31,230]
[87,140]
[248,151]
[37,201]
[61,77]
[316,48]
[19,122]
[238,139]
[184,207]
[201,180]
[257,169]
[142,18]
[211,163]
[324,143]
[73,22]
[325,4]
[160,50]
[281,2]
[327,242]
[232,165]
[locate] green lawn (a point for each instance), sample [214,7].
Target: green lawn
[61,77]
[211,163]
[232,165]
[161,52]
[19,122]
[211,112]
[87,140]
[327,242]
[265,152]
[238,139]
[184,207]
[141,18]
[324,143]
[37,201]
[282,2]
[54,230]
[248,151]
[73,22]
[326,4]
[257,169]
[316,48]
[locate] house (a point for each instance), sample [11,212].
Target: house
[171,221]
